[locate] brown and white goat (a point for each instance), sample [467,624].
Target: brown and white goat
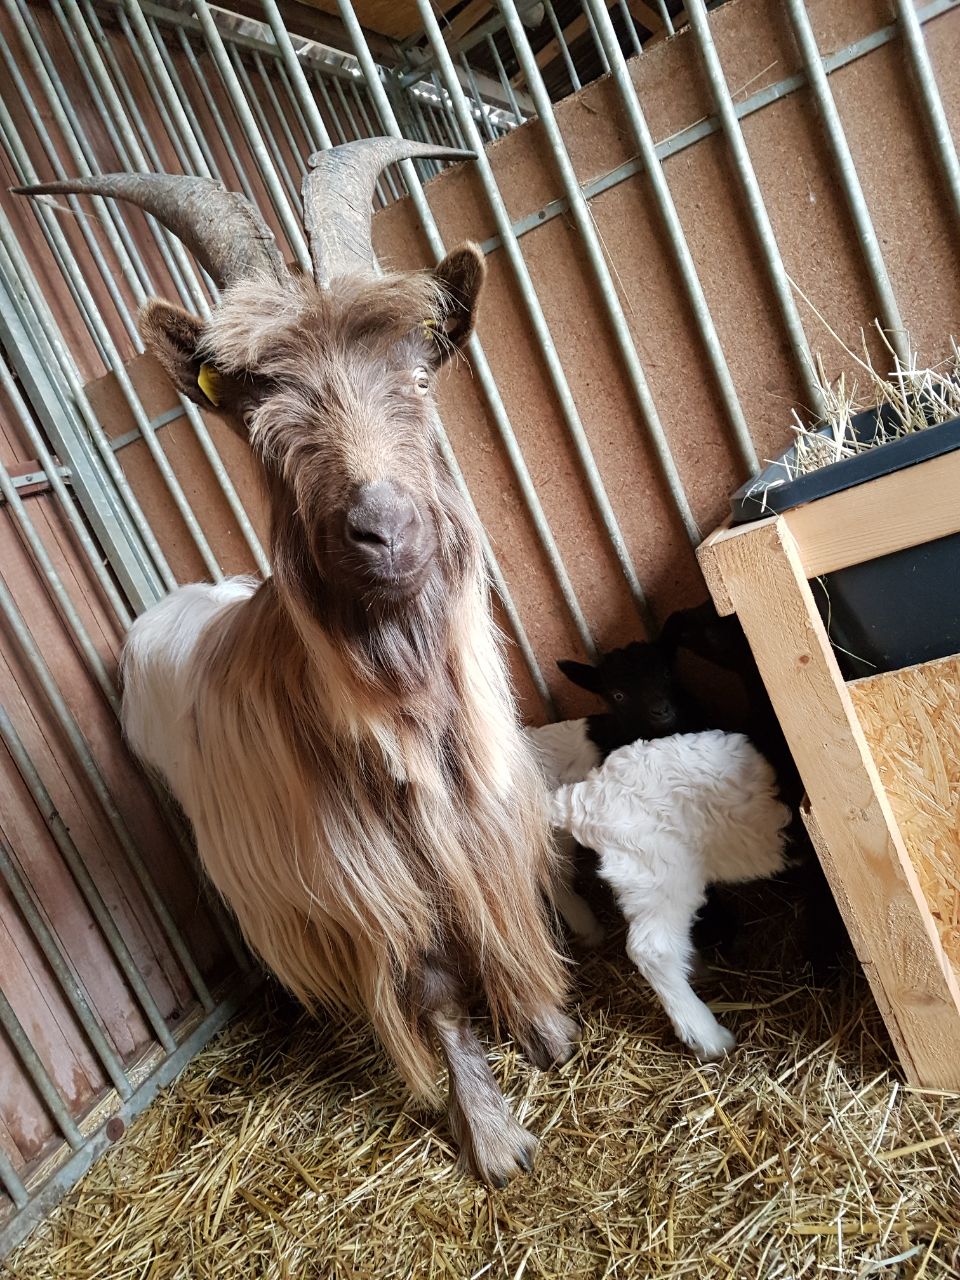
[342,735]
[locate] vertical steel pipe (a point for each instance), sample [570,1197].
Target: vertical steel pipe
[63,971]
[680,249]
[27,645]
[926,84]
[600,271]
[38,1073]
[756,208]
[848,178]
[84,881]
[298,78]
[288,213]
[11,1182]
[478,358]
[537,319]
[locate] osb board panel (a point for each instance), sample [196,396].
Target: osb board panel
[912,721]
[25,1128]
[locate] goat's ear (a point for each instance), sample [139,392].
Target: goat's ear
[173,336]
[581,674]
[460,275]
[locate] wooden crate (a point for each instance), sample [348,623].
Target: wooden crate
[880,757]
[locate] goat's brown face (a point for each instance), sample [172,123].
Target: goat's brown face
[334,389]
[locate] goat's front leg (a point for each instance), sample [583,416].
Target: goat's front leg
[493,1145]
[658,943]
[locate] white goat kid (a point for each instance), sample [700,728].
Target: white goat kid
[667,818]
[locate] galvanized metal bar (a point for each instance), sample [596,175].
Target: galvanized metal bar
[194,129]
[23,1222]
[289,179]
[756,208]
[32,656]
[158,108]
[481,108]
[665,15]
[174,488]
[58,591]
[115,361]
[16,148]
[446,116]
[481,367]
[704,128]
[428,168]
[287,213]
[309,143]
[926,85]
[568,62]
[505,79]
[67,506]
[600,271]
[331,109]
[537,319]
[372,132]
[184,271]
[27,351]
[38,1073]
[631,26]
[84,881]
[63,971]
[849,181]
[295,150]
[81,154]
[179,123]
[212,106]
[680,249]
[598,43]
[12,1183]
[276,155]
[298,77]
[356,131]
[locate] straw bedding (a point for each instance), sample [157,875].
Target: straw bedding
[287,1151]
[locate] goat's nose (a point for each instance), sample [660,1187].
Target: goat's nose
[383,524]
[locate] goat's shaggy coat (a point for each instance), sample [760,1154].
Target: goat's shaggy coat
[362,795]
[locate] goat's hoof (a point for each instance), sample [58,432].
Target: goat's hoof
[715,1046]
[498,1156]
[552,1042]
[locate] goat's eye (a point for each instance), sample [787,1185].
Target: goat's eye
[421,381]
[617,695]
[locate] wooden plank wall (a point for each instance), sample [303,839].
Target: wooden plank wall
[819,248]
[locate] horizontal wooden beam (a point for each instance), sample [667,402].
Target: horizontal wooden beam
[892,513]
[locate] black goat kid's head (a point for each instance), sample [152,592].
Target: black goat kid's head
[638,687]
[331,380]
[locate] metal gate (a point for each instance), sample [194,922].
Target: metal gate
[627,374]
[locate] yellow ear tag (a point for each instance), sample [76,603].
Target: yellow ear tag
[208,381]
[429,326]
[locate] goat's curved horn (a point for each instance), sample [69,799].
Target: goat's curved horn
[221,228]
[338,199]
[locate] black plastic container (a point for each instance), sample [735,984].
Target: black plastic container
[894,611]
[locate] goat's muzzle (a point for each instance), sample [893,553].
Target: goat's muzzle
[388,544]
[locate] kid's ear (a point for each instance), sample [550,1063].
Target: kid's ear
[461,276]
[173,336]
[580,674]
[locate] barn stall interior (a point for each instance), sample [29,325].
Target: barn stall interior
[694,225]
